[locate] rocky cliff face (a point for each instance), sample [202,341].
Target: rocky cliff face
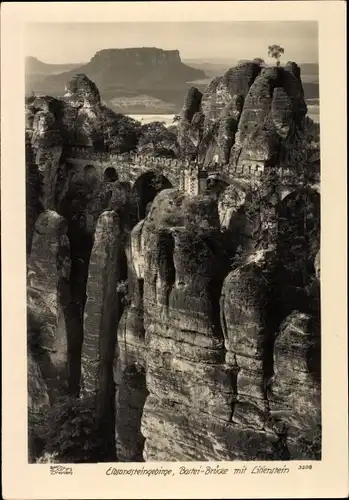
[250,114]
[75,222]
[80,119]
[193,322]
[215,343]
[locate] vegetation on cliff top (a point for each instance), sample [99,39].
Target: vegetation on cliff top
[276,51]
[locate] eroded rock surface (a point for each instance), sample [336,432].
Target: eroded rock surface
[295,395]
[196,318]
[48,295]
[184,268]
[226,369]
[101,307]
[245,116]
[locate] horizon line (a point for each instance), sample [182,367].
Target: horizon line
[188,59]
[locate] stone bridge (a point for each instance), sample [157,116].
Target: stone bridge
[128,168]
[132,168]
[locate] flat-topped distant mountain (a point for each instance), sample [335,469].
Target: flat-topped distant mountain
[128,73]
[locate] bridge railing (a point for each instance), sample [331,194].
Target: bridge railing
[127,158]
[247,170]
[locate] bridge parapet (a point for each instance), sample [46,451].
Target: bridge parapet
[180,172]
[130,167]
[130,158]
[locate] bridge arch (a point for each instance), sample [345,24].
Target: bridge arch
[220,177]
[110,175]
[216,184]
[290,194]
[224,178]
[146,187]
[285,192]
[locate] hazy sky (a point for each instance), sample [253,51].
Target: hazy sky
[78,42]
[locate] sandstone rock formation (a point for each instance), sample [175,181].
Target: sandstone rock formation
[101,316]
[129,366]
[102,302]
[173,308]
[295,395]
[245,115]
[48,295]
[181,275]
[38,402]
[44,138]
